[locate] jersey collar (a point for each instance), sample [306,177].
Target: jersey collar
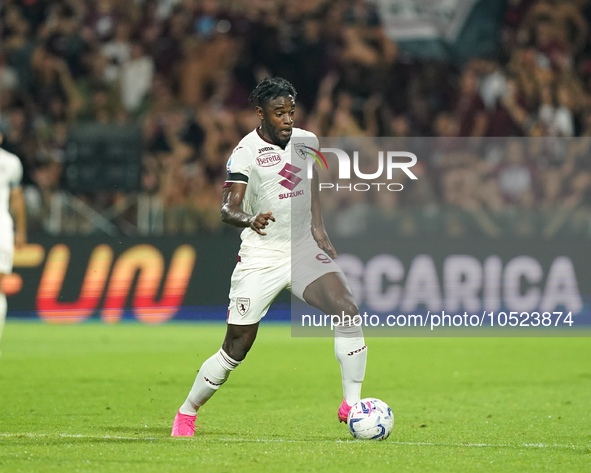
[263,138]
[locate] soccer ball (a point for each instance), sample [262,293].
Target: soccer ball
[370,419]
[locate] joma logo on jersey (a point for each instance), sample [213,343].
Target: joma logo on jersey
[289,172]
[267,148]
[268,160]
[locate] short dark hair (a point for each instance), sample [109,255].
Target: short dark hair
[269,89]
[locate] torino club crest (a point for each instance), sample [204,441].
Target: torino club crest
[304,151]
[242,305]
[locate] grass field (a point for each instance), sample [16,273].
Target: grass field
[102,398]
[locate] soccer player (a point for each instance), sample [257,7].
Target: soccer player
[11,233]
[267,194]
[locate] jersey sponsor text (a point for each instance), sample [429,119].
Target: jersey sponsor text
[267,160]
[291,194]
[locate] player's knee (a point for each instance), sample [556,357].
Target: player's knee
[239,340]
[236,352]
[347,314]
[345,308]
[237,348]
[352,309]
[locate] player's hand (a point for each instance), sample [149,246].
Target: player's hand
[20,240]
[324,243]
[259,222]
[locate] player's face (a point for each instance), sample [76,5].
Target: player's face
[277,119]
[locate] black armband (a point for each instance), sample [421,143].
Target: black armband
[237,177]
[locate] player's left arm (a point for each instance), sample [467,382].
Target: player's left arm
[19,213]
[318,230]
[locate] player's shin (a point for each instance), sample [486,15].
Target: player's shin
[351,352]
[213,373]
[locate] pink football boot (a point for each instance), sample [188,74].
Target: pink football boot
[183,425]
[344,411]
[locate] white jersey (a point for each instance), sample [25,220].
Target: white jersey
[11,174]
[277,182]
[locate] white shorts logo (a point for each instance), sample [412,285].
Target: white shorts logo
[242,305]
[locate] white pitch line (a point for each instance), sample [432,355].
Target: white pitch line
[238,440]
[490,445]
[78,436]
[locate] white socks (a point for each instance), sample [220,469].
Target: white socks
[351,351]
[213,373]
[3,308]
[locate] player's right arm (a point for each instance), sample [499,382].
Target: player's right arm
[233,214]
[239,170]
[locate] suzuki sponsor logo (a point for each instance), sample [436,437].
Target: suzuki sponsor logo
[289,172]
[291,194]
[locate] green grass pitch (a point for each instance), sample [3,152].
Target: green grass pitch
[97,398]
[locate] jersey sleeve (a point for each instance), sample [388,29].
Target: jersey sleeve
[16,175]
[312,140]
[316,141]
[239,165]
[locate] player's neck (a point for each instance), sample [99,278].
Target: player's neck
[266,136]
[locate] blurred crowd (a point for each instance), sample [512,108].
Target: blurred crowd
[183,70]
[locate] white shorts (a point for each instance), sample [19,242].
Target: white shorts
[6,251]
[260,276]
